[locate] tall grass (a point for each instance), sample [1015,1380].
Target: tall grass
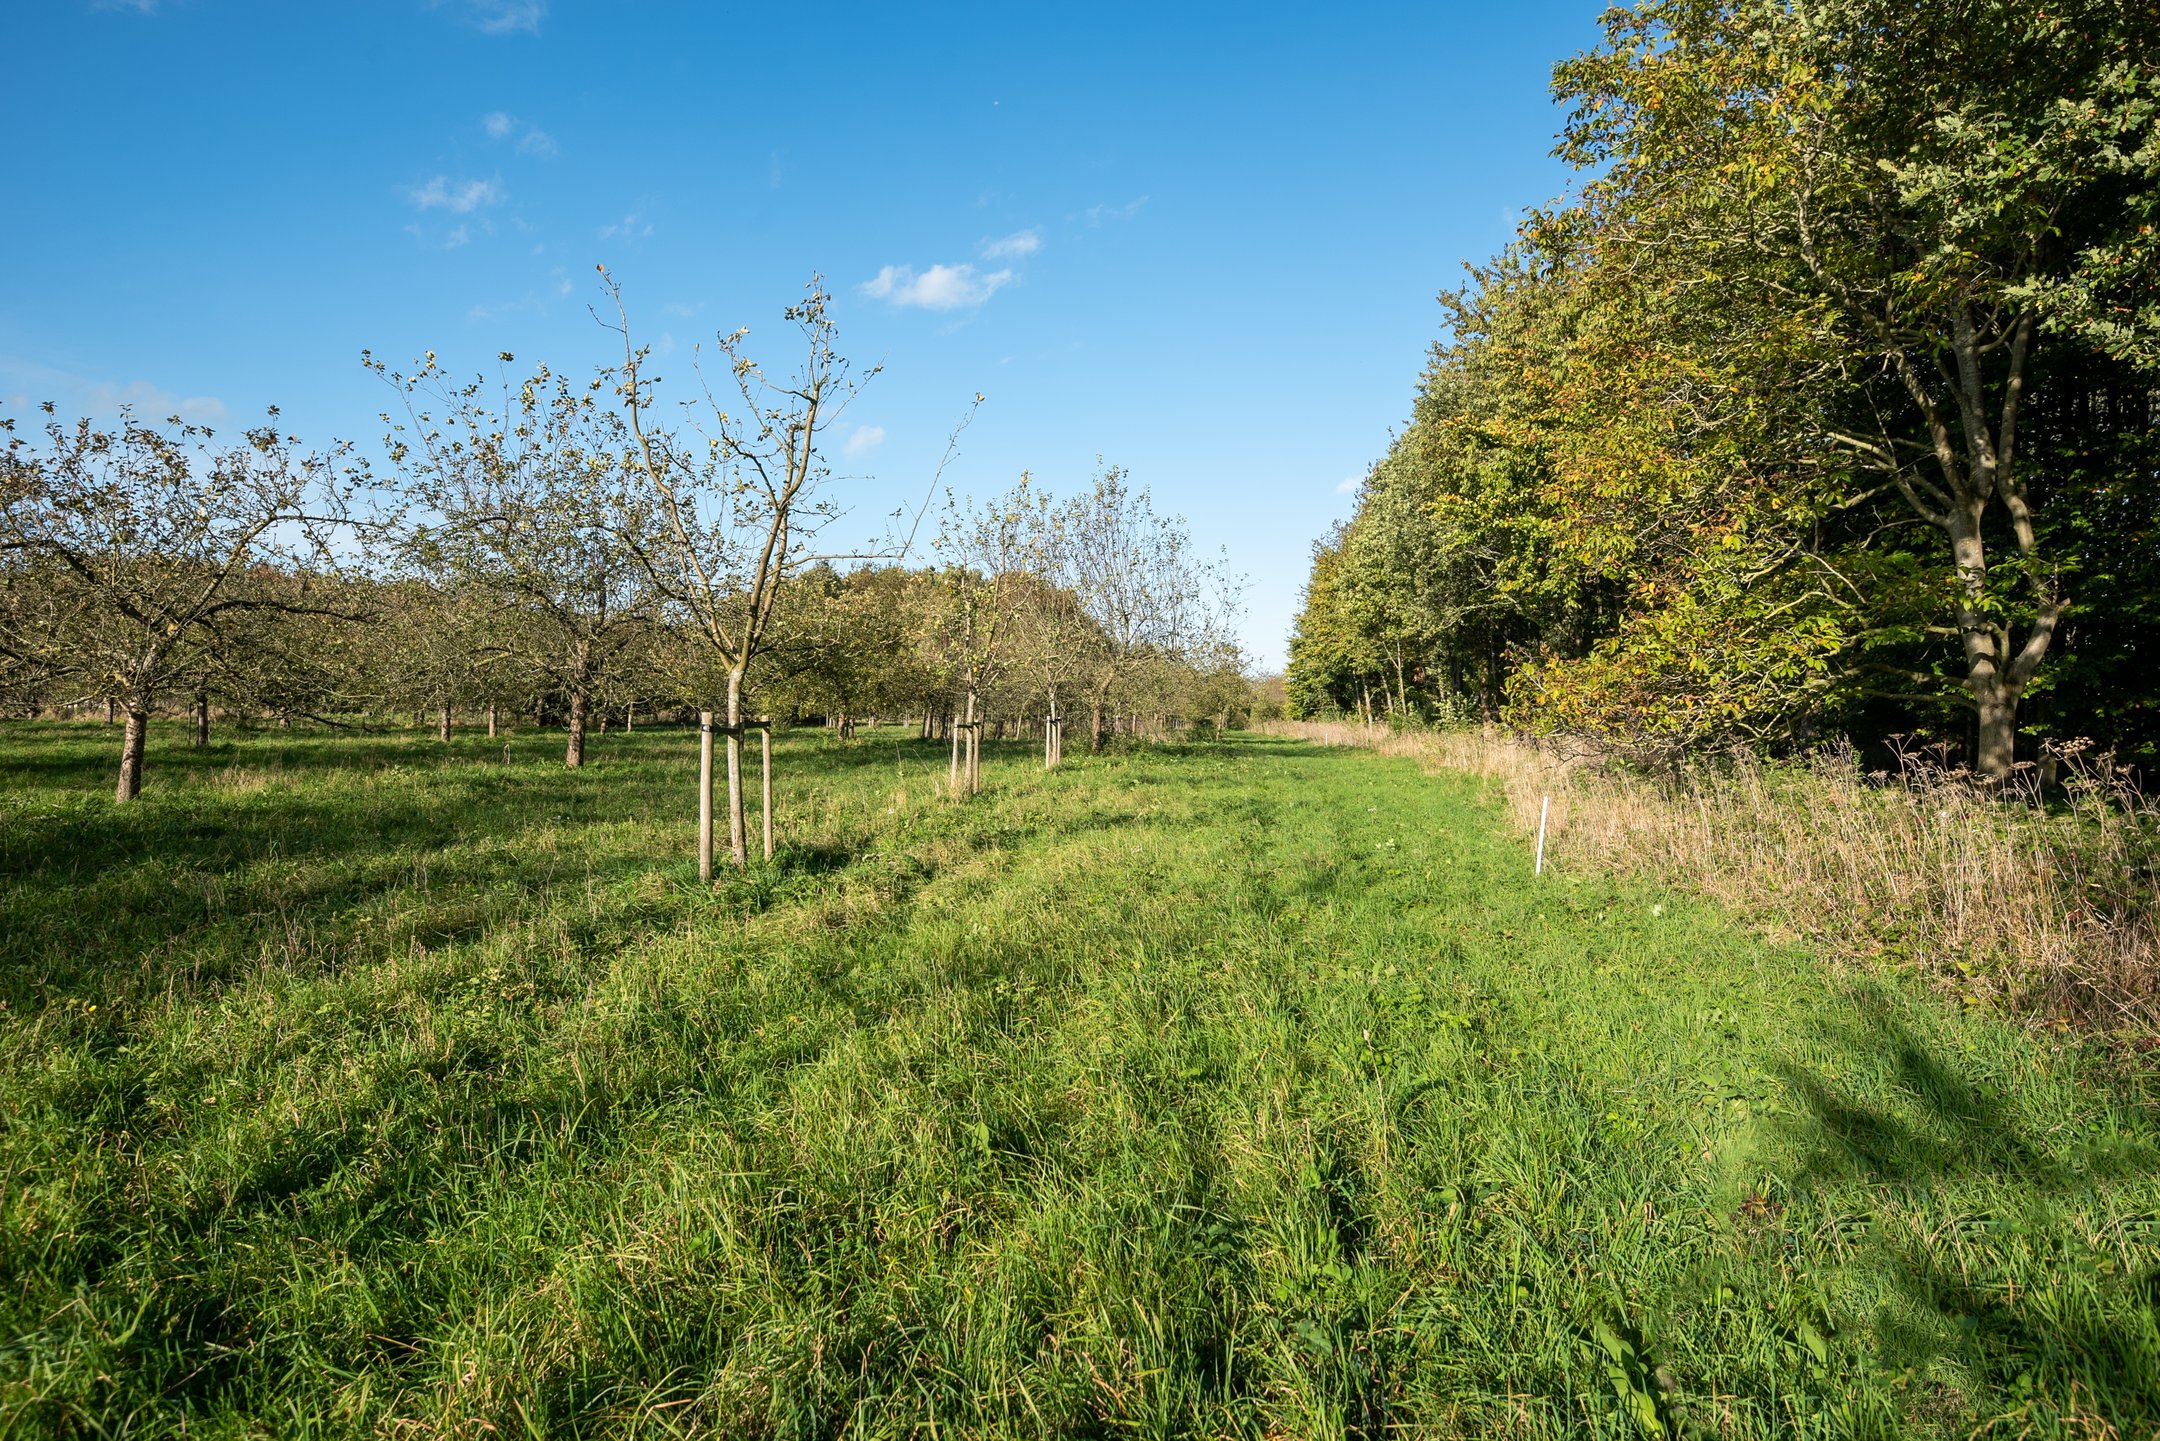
[2043,901]
[369,1087]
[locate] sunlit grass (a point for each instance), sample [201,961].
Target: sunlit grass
[370,1086]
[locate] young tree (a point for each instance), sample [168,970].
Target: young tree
[522,504]
[737,519]
[1137,581]
[989,561]
[159,540]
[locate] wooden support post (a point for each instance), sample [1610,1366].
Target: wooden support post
[765,761]
[705,779]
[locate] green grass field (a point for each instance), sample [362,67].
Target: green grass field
[367,1086]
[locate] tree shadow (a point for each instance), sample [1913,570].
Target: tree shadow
[2070,1337]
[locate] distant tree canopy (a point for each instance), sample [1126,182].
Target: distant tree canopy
[1826,404]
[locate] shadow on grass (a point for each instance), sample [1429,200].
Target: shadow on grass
[2072,1335]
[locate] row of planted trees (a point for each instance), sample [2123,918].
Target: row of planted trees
[551,549]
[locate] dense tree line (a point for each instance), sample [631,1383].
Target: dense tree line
[543,551]
[1826,403]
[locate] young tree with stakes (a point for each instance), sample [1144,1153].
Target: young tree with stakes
[988,562]
[739,516]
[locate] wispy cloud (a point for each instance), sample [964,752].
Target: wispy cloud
[631,227]
[941,287]
[459,197]
[1101,215]
[501,125]
[1020,242]
[134,7]
[865,439]
[1348,484]
[503,17]
[28,384]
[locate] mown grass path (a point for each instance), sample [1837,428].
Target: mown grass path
[373,1087]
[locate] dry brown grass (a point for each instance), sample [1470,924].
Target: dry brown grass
[2049,908]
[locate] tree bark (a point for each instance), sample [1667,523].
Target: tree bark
[1095,727]
[574,750]
[491,720]
[442,723]
[131,753]
[202,720]
[112,711]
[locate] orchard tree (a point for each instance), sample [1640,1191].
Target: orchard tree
[519,497]
[990,562]
[158,540]
[1139,583]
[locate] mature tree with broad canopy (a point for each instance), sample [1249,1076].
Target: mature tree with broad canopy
[148,543]
[1944,191]
[524,529]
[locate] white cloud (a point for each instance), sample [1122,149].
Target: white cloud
[631,227]
[865,439]
[501,125]
[32,384]
[458,236]
[139,7]
[503,17]
[459,198]
[941,287]
[1349,484]
[1020,242]
[1100,215]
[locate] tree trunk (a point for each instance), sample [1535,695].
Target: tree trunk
[1095,727]
[112,711]
[131,753]
[202,720]
[574,752]
[738,847]
[491,720]
[442,723]
[629,717]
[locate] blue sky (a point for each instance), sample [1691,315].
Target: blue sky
[1201,242]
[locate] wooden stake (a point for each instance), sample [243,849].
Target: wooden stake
[765,761]
[1543,806]
[704,813]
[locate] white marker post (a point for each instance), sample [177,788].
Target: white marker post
[1544,806]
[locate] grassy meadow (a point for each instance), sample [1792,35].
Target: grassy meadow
[368,1086]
